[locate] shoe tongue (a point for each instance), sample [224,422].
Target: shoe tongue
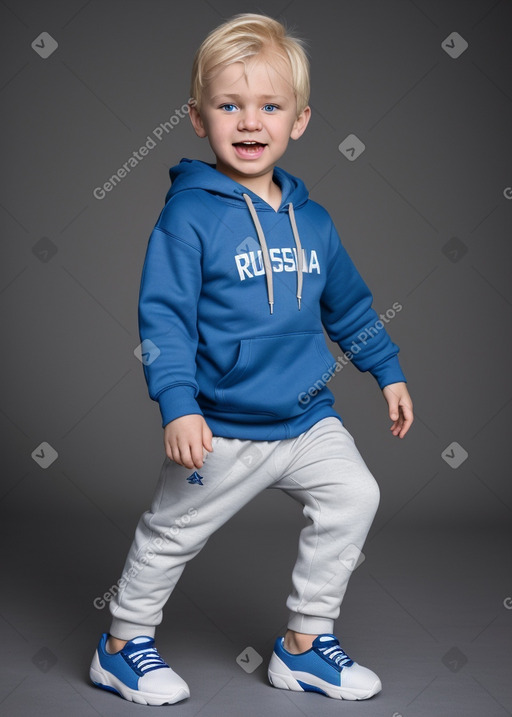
[325,640]
[142,641]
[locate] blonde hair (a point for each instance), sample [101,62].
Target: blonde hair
[243,36]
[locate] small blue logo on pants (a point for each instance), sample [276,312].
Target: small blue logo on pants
[195,478]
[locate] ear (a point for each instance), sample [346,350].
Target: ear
[300,124]
[197,122]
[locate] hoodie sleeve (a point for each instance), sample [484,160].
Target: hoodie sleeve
[350,320]
[169,292]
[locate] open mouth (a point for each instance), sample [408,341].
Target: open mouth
[249,144]
[249,148]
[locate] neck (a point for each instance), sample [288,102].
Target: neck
[263,185]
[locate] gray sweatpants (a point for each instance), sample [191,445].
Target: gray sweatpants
[321,468]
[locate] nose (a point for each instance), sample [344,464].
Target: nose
[249,120]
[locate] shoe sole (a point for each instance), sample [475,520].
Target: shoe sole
[107,681]
[280,676]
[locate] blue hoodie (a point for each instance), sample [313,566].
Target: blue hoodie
[233,300]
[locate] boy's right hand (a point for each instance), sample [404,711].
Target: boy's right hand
[185,438]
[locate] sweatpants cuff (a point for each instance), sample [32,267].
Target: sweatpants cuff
[310,624]
[128,630]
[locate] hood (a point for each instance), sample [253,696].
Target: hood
[196,174]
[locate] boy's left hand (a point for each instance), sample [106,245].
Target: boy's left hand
[400,407]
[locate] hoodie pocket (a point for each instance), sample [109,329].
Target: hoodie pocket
[272,373]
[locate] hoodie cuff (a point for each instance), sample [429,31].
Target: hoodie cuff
[177,401]
[388,371]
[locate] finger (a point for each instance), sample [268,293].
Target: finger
[207,439]
[394,412]
[407,421]
[185,456]
[197,455]
[405,429]
[171,450]
[407,410]
[397,425]
[395,415]
[396,428]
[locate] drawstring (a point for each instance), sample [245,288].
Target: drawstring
[266,257]
[299,252]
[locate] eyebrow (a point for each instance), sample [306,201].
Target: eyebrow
[238,97]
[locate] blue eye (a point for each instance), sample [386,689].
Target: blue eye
[272,108]
[227,107]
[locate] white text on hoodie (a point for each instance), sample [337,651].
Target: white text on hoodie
[281,259]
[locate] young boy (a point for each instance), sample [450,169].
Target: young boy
[241,273]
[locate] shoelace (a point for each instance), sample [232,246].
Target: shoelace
[145,660]
[337,655]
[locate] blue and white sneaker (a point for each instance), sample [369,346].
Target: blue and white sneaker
[324,668]
[137,673]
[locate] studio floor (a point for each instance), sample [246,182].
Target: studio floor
[428,610]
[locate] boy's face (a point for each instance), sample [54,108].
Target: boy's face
[261,109]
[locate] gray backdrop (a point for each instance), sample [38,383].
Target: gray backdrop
[425,212]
